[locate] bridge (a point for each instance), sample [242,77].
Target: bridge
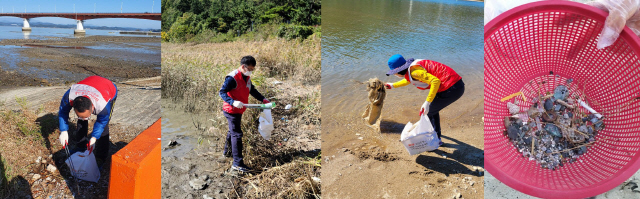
[81,17]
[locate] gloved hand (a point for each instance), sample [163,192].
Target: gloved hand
[91,144]
[388,85]
[621,13]
[238,104]
[425,107]
[266,101]
[64,138]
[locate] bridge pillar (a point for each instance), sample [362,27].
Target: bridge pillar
[26,26]
[80,29]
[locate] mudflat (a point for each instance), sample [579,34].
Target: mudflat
[57,60]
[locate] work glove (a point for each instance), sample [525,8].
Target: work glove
[91,144]
[266,101]
[621,13]
[425,107]
[388,85]
[64,138]
[238,104]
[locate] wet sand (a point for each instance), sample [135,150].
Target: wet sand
[362,163]
[58,61]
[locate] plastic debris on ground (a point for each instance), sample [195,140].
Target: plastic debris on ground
[555,130]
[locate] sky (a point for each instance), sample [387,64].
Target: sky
[85,6]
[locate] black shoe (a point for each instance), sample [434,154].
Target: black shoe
[100,162]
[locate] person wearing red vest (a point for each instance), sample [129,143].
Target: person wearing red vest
[94,95]
[235,93]
[444,84]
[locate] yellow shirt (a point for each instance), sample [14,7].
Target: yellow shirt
[420,74]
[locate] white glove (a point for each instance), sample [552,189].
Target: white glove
[621,13]
[238,104]
[425,107]
[64,138]
[388,85]
[92,143]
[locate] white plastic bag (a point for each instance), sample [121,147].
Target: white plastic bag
[266,124]
[419,137]
[84,166]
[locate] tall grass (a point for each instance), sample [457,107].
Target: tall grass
[195,73]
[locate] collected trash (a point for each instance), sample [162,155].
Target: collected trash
[419,137]
[266,124]
[376,95]
[83,166]
[553,130]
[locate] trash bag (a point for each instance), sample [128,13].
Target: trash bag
[266,124]
[419,137]
[376,95]
[84,166]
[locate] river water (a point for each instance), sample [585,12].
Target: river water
[360,36]
[15,32]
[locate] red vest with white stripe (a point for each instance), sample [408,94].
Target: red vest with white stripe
[448,77]
[240,93]
[98,89]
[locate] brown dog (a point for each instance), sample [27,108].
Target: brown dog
[371,114]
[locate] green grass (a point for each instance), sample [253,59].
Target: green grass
[6,172]
[24,121]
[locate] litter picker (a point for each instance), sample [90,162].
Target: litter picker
[261,106]
[73,170]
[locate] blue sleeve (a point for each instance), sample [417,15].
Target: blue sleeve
[103,118]
[255,93]
[101,123]
[63,113]
[228,85]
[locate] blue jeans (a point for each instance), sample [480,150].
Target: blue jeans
[442,100]
[234,138]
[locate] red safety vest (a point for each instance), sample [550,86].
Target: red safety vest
[98,89]
[240,93]
[448,77]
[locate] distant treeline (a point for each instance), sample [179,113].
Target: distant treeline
[184,19]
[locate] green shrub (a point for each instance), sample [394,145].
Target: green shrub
[295,31]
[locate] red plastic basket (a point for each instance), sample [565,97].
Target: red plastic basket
[524,45]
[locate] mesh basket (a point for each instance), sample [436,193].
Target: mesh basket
[522,47]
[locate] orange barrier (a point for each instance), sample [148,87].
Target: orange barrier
[135,169]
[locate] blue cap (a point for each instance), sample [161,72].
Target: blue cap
[397,63]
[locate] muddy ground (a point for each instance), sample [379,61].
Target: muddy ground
[284,165]
[59,61]
[363,162]
[138,106]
